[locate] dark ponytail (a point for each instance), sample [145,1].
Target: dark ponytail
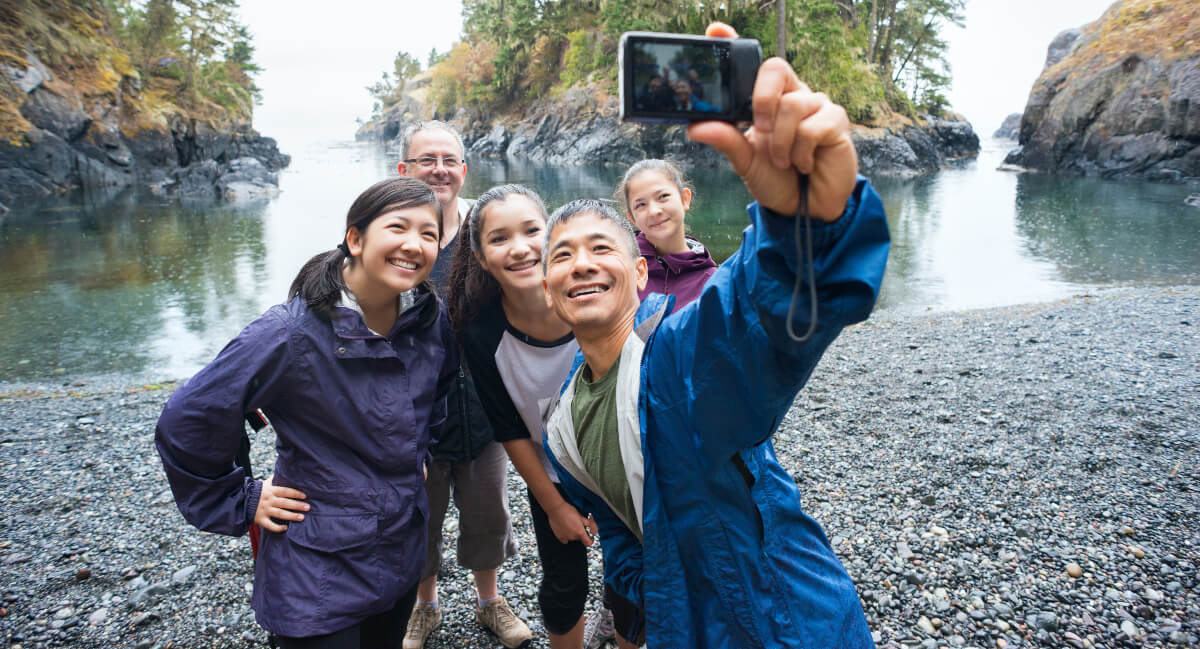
[320,280]
[471,287]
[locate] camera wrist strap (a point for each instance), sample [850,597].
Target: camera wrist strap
[804,256]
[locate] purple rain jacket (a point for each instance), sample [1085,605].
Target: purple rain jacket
[353,413]
[681,274]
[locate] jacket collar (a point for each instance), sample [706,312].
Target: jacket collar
[695,258]
[419,310]
[652,310]
[404,302]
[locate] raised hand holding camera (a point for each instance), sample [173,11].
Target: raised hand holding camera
[795,131]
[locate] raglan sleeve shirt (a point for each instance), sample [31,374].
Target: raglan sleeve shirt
[479,350]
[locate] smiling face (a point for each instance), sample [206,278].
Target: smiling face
[395,253]
[683,91]
[445,181]
[656,205]
[592,278]
[510,243]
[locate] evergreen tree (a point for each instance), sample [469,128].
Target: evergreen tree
[860,52]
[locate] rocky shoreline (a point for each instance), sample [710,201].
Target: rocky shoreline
[582,127]
[77,141]
[1013,477]
[1119,97]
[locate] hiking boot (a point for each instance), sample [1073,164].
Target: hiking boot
[424,619]
[598,628]
[500,619]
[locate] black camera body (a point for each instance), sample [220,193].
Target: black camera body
[683,78]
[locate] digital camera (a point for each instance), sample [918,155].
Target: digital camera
[683,78]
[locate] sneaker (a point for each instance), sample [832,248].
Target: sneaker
[424,619]
[500,619]
[598,628]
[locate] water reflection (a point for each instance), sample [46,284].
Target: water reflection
[94,286]
[718,212]
[1108,232]
[148,289]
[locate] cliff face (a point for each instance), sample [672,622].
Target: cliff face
[1120,97]
[82,118]
[581,126]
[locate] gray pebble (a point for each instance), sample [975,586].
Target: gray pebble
[182,575]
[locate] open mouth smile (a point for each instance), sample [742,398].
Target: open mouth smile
[523,265]
[585,290]
[403,265]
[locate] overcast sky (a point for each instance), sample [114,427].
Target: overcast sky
[318,57]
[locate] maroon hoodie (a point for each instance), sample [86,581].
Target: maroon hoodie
[681,274]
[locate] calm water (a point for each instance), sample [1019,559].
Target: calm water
[152,290]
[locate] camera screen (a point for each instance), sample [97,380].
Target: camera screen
[673,77]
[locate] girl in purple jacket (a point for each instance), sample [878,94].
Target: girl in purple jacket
[352,372]
[656,197]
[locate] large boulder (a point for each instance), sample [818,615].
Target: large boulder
[1125,100]
[916,148]
[247,179]
[29,76]
[61,114]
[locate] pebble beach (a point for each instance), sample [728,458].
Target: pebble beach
[1023,476]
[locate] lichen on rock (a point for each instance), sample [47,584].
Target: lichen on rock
[75,114]
[1120,99]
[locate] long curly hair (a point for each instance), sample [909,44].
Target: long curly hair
[472,288]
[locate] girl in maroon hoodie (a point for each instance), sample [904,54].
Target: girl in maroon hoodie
[656,197]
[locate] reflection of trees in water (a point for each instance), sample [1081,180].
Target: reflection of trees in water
[107,275]
[555,183]
[1099,231]
[913,221]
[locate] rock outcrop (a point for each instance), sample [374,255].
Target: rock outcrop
[90,125]
[1010,128]
[581,126]
[1120,98]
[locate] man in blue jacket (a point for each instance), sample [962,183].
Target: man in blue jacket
[663,432]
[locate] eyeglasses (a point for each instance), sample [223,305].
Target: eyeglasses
[430,162]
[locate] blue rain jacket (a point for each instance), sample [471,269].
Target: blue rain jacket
[353,413]
[729,558]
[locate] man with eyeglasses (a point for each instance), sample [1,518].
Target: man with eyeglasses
[467,461]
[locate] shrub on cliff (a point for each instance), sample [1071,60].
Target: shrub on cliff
[189,56]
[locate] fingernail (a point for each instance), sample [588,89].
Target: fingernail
[301,516]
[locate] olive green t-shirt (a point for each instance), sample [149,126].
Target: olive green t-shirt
[594,412]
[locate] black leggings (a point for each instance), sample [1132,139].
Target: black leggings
[628,618]
[382,631]
[564,588]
